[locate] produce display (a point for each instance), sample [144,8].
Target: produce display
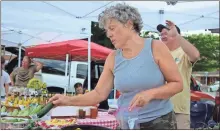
[60,122]
[35,83]
[13,123]
[23,113]
[25,108]
[15,101]
[45,110]
[5,120]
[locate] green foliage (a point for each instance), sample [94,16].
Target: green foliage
[148,34]
[99,36]
[208,46]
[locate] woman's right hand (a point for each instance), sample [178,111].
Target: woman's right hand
[60,100]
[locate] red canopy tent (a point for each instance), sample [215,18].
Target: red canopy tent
[77,49]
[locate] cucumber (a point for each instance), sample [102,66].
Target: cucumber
[45,110]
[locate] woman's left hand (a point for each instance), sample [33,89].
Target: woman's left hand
[141,99]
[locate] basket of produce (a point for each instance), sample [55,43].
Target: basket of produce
[13,123]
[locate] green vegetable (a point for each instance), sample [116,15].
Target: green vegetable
[20,113]
[26,113]
[45,110]
[36,110]
[3,109]
[15,112]
[28,127]
[9,114]
[11,120]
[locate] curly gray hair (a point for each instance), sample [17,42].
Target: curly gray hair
[121,12]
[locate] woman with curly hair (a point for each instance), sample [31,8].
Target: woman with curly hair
[143,70]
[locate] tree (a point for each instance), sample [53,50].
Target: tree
[208,46]
[99,36]
[149,34]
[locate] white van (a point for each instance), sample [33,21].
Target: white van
[53,73]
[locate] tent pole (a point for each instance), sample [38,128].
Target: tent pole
[114,93]
[3,50]
[161,15]
[69,65]
[19,55]
[66,69]
[89,62]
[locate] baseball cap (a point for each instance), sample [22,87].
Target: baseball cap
[160,27]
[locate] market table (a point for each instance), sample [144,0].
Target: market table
[104,119]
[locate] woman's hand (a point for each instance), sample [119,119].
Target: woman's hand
[60,100]
[141,99]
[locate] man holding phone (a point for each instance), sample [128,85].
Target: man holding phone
[185,56]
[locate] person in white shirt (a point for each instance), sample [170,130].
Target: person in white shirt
[5,80]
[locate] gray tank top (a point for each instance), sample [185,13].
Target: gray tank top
[135,75]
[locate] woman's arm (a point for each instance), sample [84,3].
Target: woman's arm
[12,76]
[6,89]
[38,64]
[100,93]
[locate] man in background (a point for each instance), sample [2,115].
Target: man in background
[5,80]
[185,56]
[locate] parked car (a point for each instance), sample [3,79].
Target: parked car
[214,87]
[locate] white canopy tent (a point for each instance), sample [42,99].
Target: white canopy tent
[59,16]
[30,23]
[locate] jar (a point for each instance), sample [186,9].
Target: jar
[93,113]
[82,114]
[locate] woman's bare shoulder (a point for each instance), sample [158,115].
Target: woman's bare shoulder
[110,60]
[159,48]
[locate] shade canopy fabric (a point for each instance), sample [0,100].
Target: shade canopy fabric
[36,22]
[77,49]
